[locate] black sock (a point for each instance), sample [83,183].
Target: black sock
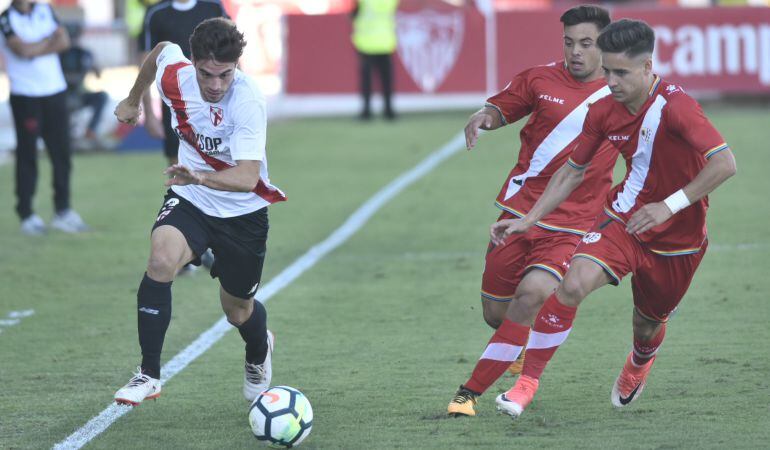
[154,314]
[254,333]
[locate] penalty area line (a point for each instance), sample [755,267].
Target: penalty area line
[355,222]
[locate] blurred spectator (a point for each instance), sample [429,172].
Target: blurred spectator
[77,62]
[172,21]
[33,37]
[374,37]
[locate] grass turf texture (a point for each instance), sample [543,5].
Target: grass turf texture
[381,332]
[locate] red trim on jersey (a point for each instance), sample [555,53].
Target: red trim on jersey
[170,85]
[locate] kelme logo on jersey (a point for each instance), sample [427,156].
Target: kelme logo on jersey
[217,115]
[590,238]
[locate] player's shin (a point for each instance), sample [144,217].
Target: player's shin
[550,330]
[504,347]
[254,334]
[153,317]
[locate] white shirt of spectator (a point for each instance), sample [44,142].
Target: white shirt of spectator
[32,77]
[235,128]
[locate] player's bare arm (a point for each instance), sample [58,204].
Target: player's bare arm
[561,185]
[242,177]
[487,118]
[720,167]
[151,121]
[55,43]
[129,109]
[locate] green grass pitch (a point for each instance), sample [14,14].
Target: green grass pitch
[380,333]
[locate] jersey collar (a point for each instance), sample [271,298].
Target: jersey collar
[179,6]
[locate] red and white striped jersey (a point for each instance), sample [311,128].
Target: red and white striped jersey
[665,145]
[213,136]
[558,104]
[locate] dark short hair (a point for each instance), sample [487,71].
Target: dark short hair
[632,37]
[217,39]
[586,14]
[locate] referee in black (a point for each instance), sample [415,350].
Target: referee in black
[33,37]
[172,21]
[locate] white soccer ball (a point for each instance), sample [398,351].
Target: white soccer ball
[281,416]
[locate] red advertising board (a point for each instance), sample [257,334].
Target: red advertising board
[444,50]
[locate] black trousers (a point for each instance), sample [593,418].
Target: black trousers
[384,67]
[45,117]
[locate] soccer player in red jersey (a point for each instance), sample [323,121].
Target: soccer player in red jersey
[526,268]
[654,222]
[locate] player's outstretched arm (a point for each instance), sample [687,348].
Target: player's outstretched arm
[242,177]
[129,109]
[484,119]
[561,185]
[720,167]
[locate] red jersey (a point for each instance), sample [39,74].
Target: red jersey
[558,104]
[665,145]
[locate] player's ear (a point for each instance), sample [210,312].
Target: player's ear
[648,65]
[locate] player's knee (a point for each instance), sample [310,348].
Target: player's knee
[645,329]
[529,304]
[571,291]
[494,312]
[161,266]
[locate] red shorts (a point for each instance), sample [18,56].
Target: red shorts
[658,282]
[538,248]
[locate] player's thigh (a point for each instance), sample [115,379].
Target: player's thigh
[239,245]
[604,256]
[662,281]
[179,235]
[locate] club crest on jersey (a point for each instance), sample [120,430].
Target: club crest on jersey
[646,133]
[590,238]
[216,114]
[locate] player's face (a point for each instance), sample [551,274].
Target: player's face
[214,78]
[580,51]
[627,77]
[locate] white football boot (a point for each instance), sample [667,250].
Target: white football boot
[256,378]
[139,387]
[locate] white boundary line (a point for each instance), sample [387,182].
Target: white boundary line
[355,222]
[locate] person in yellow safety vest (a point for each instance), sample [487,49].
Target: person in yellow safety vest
[374,37]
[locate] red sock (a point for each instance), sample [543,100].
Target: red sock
[551,328]
[644,351]
[504,347]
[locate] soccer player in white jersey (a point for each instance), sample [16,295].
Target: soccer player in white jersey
[218,196]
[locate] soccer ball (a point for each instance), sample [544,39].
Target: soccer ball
[281,416]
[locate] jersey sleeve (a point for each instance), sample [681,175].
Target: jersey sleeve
[250,132]
[515,101]
[588,141]
[686,118]
[170,55]
[5,25]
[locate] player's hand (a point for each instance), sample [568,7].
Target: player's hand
[154,126]
[477,121]
[648,216]
[128,112]
[500,230]
[180,175]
